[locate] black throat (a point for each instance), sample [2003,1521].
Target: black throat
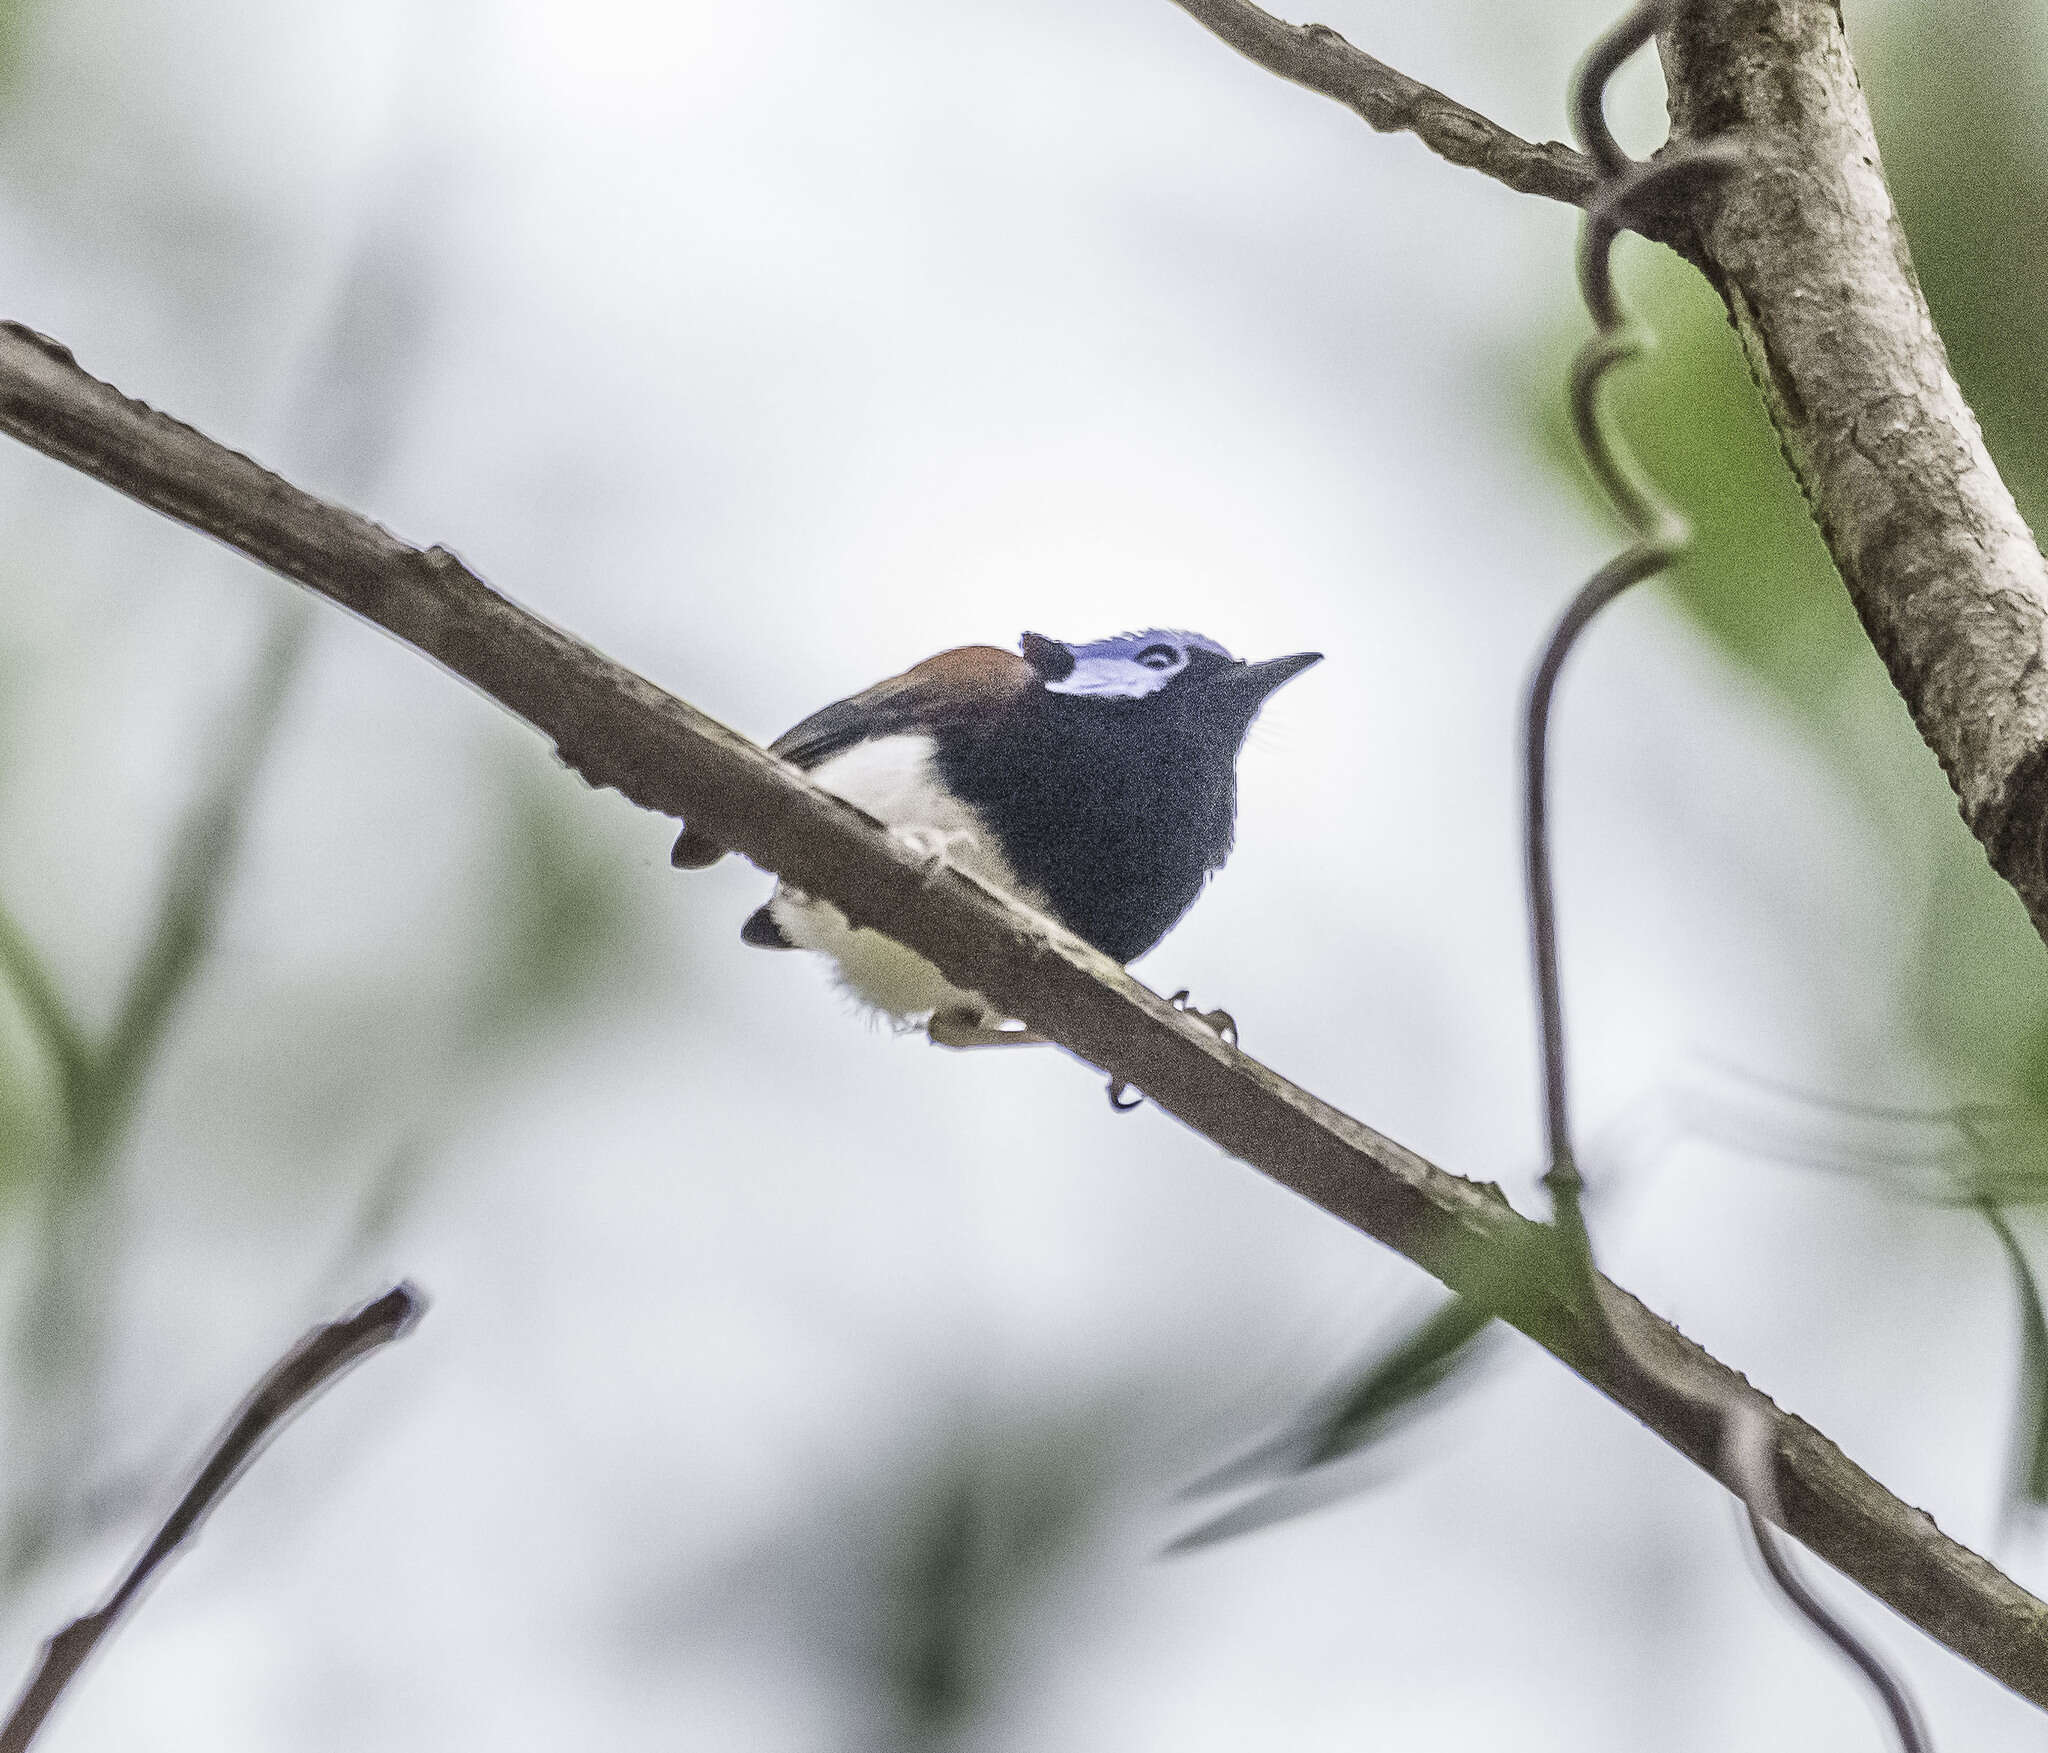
[1116,811]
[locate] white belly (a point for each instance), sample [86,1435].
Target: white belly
[893,779]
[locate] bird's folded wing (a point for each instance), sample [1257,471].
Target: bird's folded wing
[956,687]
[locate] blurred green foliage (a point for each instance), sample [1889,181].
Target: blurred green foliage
[975,1544]
[14,20]
[562,921]
[1408,1374]
[565,913]
[69,1150]
[926,1584]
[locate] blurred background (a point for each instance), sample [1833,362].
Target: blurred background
[792,1386]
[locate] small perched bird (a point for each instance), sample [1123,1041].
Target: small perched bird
[1097,782]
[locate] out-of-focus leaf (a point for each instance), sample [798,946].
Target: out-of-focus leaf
[58,1337]
[195,888]
[2029,1480]
[45,1011]
[1396,1383]
[563,909]
[974,1542]
[1757,579]
[32,1127]
[1410,1372]
[920,1588]
[14,25]
[1364,1402]
[1959,94]
[1927,1154]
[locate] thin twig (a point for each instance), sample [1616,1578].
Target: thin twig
[1316,57]
[2026,1482]
[1749,1457]
[1661,536]
[618,729]
[1748,1423]
[318,1359]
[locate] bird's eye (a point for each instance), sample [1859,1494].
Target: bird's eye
[1159,657]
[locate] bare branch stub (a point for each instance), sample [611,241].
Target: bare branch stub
[618,729]
[314,1363]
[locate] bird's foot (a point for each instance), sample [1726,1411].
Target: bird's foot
[963,1028]
[1123,1098]
[1219,1023]
[934,847]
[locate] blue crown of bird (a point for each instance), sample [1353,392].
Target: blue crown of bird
[1096,782]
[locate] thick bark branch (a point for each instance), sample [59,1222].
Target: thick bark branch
[1808,254]
[618,730]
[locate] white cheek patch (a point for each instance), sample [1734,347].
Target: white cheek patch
[1115,678]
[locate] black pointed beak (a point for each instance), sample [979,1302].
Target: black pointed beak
[1256,680]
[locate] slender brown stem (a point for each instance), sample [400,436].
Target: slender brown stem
[314,1363]
[1316,57]
[1749,1424]
[1660,537]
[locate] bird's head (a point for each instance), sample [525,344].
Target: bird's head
[1162,672]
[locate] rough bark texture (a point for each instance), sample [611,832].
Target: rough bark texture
[619,730]
[1806,250]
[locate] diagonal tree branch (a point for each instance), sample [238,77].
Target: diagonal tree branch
[1320,60]
[1315,56]
[314,1364]
[617,729]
